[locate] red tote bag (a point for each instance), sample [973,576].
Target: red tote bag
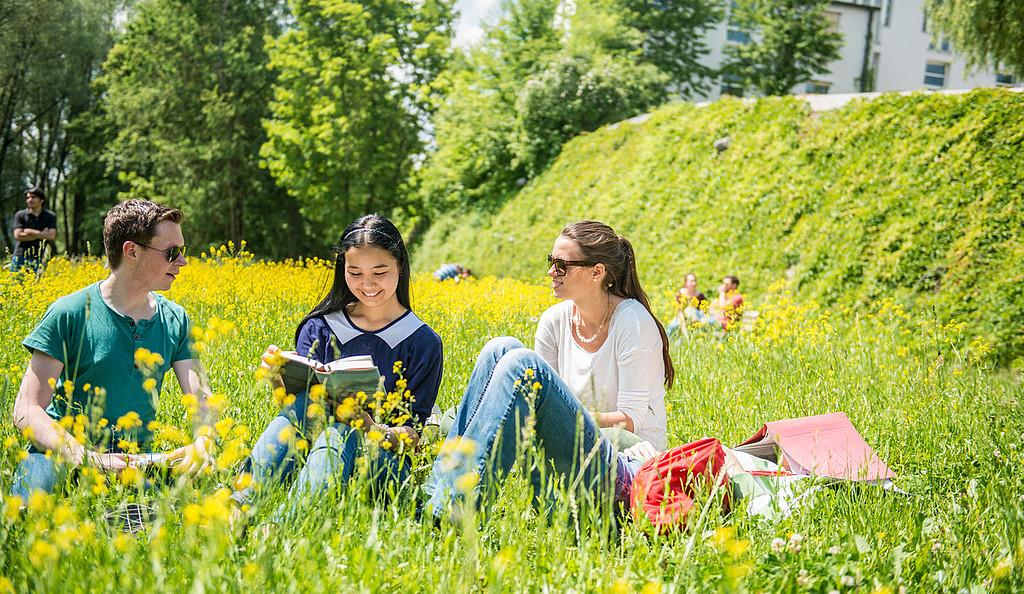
[664,488]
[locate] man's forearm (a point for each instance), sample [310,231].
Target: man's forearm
[47,435]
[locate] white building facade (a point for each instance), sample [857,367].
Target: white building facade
[886,47]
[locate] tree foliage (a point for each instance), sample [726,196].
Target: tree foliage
[541,75]
[674,33]
[790,43]
[799,197]
[50,53]
[186,89]
[356,86]
[987,32]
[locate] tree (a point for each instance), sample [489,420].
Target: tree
[540,76]
[674,34]
[599,77]
[986,32]
[790,43]
[356,86]
[186,89]
[50,52]
[475,128]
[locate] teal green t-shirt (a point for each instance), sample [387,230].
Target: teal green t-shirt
[97,346]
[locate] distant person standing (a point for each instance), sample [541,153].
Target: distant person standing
[33,227]
[727,309]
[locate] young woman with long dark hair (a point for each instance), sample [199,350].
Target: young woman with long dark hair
[366,312]
[600,360]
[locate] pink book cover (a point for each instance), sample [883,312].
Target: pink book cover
[822,445]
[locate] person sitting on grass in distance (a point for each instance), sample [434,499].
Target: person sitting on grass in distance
[366,312]
[455,272]
[727,308]
[691,304]
[88,360]
[600,366]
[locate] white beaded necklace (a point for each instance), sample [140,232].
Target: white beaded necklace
[576,322]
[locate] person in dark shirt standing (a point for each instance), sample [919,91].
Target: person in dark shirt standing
[33,227]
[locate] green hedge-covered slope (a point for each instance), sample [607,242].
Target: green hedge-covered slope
[919,198]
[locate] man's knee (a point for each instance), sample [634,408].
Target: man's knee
[35,473]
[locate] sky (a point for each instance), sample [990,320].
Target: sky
[472,13]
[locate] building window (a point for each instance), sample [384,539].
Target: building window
[817,87]
[732,85]
[833,20]
[935,74]
[737,36]
[888,13]
[1004,80]
[942,46]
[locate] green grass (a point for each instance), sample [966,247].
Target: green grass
[913,197]
[925,398]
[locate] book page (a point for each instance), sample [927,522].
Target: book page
[354,363]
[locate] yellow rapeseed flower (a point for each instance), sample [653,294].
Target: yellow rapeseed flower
[192,514]
[41,554]
[128,421]
[12,508]
[242,481]
[123,542]
[40,501]
[466,482]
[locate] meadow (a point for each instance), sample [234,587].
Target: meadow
[923,393]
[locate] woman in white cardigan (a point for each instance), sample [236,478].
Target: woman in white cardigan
[601,361]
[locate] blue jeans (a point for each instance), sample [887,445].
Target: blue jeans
[19,262]
[330,463]
[37,473]
[490,417]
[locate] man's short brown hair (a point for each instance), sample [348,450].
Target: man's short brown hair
[133,220]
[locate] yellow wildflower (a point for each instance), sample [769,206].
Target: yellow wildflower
[42,554]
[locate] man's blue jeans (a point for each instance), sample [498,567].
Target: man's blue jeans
[19,262]
[495,408]
[37,473]
[330,463]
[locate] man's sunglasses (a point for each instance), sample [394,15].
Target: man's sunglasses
[172,253]
[562,266]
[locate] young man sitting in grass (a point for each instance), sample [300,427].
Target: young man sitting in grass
[99,356]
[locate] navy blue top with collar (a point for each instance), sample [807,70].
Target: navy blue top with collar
[407,339]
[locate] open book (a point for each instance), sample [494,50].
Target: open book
[341,377]
[822,445]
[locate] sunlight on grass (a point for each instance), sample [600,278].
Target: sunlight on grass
[921,394]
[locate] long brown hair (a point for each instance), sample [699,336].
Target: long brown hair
[599,243]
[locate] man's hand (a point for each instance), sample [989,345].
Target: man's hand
[114,463]
[193,458]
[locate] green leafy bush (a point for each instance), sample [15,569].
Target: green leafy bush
[917,198]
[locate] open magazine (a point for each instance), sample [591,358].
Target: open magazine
[341,377]
[822,445]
